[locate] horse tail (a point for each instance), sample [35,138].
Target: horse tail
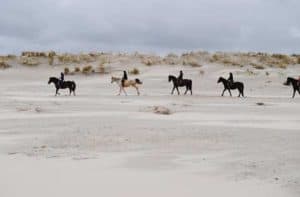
[138,81]
[242,89]
[73,85]
[191,84]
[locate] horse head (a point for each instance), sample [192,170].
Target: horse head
[220,79]
[52,80]
[114,79]
[171,77]
[288,81]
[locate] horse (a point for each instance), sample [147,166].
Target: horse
[228,86]
[295,84]
[66,84]
[181,83]
[126,84]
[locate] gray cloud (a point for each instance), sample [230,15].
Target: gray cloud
[152,25]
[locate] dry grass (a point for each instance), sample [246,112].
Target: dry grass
[257,66]
[66,71]
[72,58]
[51,60]
[77,69]
[29,61]
[87,69]
[4,65]
[191,62]
[134,71]
[147,62]
[151,60]
[102,69]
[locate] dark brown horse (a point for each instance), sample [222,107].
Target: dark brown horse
[235,85]
[66,84]
[181,83]
[295,84]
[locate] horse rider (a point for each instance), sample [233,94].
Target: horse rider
[124,78]
[230,79]
[179,78]
[62,79]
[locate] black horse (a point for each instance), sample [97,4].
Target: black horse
[181,83]
[295,84]
[66,84]
[228,86]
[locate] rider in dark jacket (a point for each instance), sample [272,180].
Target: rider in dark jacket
[124,78]
[180,76]
[62,78]
[230,79]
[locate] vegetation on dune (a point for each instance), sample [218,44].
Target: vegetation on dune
[257,60]
[257,66]
[77,69]
[29,61]
[66,71]
[4,65]
[88,69]
[134,71]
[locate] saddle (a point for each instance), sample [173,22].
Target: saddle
[61,83]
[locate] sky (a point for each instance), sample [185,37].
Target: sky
[155,26]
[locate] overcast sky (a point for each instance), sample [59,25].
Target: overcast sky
[150,25]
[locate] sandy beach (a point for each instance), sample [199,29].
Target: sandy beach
[97,143]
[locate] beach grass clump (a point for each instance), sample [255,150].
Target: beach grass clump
[147,62]
[29,61]
[51,60]
[134,71]
[102,69]
[66,71]
[4,65]
[257,66]
[77,69]
[191,62]
[87,69]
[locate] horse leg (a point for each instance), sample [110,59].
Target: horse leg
[56,93]
[137,90]
[124,91]
[120,91]
[223,92]
[294,93]
[229,92]
[70,91]
[185,91]
[172,92]
[177,90]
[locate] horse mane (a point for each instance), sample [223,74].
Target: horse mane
[172,76]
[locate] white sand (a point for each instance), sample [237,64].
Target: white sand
[99,144]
